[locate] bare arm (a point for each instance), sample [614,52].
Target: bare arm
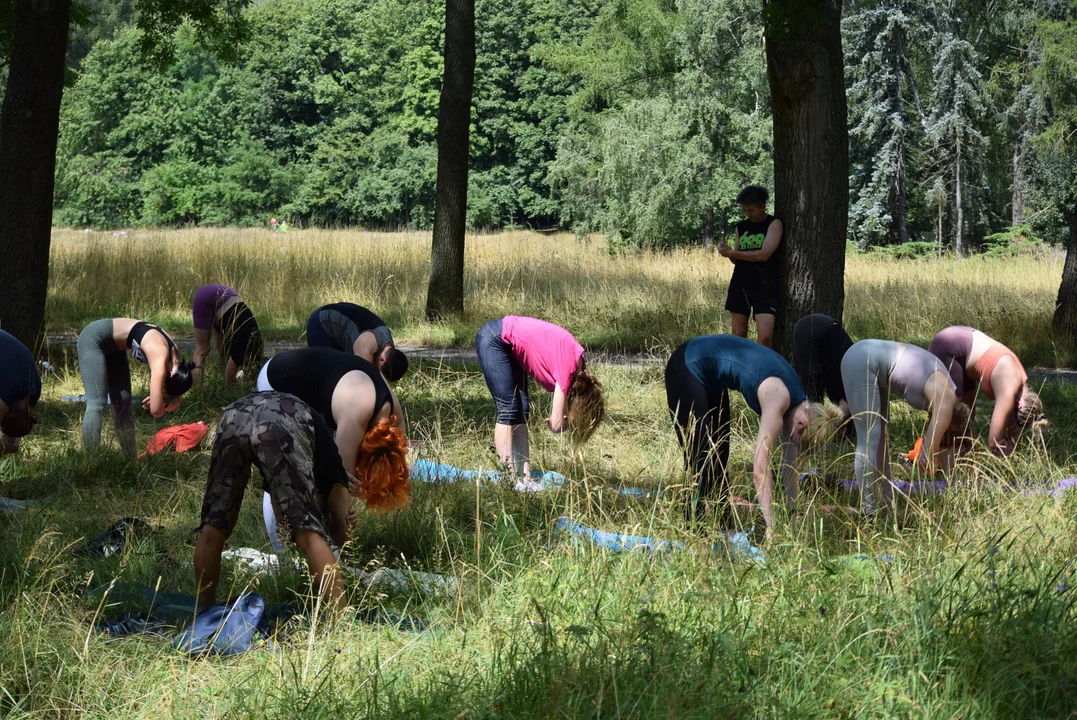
[160,367]
[770,245]
[556,421]
[366,346]
[1001,436]
[770,428]
[942,412]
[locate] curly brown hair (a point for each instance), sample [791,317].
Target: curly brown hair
[382,467]
[1030,410]
[585,405]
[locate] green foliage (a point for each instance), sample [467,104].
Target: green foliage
[913,250]
[1017,240]
[631,118]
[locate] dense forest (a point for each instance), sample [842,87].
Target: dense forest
[639,119]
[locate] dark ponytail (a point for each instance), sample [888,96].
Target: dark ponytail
[180,380]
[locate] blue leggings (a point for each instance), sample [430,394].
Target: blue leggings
[504,375]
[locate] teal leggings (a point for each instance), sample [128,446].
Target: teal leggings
[105,376]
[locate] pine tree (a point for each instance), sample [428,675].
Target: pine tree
[881,121]
[957,109]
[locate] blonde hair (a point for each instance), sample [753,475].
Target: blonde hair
[823,422]
[1030,411]
[584,405]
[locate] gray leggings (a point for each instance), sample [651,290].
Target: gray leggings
[866,372]
[105,374]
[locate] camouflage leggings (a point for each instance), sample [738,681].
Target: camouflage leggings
[275,432]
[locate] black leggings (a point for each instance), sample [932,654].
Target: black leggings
[702,421]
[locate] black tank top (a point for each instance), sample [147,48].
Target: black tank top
[312,374]
[752,235]
[134,340]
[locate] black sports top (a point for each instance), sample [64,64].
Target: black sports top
[751,236]
[138,332]
[312,374]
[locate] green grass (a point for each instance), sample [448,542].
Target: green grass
[627,301]
[974,618]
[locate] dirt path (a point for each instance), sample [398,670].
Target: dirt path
[622,360]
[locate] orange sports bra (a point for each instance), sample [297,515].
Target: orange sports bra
[987,362]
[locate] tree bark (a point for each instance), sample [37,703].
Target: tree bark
[811,157]
[1017,197]
[1065,319]
[445,294]
[29,129]
[902,198]
[959,231]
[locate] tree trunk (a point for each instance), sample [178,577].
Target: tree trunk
[959,231]
[29,128]
[811,157]
[1017,203]
[902,198]
[1065,319]
[708,229]
[445,295]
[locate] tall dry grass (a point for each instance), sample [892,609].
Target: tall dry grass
[627,301]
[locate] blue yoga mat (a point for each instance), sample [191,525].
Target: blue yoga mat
[739,546]
[433,472]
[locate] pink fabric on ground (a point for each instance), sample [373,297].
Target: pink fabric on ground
[546,351]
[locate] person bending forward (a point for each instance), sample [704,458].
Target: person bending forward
[870,370]
[351,328]
[699,375]
[219,311]
[513,348]
[309,491]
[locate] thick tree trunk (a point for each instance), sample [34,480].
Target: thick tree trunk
[29,128]
[959,230]
[1017,197]
[1065,319]
[811,157]
[445,295]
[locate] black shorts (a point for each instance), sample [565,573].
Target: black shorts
[751,294]
[240,338]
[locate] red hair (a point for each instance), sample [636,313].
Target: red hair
[382,468]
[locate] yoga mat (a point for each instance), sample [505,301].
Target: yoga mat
[739,546]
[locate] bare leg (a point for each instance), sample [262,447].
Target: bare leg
[740,325]
[764,329]
[510,442]
[207,564]
[322,565]
[521,450]
[230,370]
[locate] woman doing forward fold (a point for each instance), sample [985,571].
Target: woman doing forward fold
[972,358]
[699,376]
[513,348]
[870,370]
[106,376]
[306,484]
[351,328]
[356,402]
[219,312]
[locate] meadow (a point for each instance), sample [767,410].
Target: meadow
[961,605]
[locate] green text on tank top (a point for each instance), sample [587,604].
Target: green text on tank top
[354,414]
